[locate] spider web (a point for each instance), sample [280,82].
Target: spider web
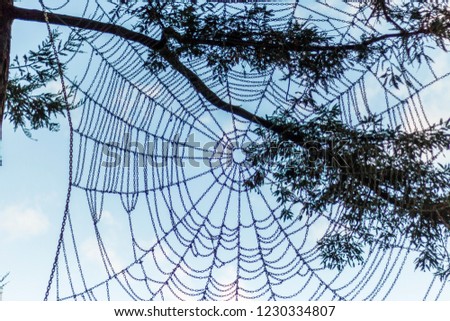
[159,210]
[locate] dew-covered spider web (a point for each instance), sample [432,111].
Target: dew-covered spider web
[159,210]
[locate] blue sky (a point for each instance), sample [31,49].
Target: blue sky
[34,179]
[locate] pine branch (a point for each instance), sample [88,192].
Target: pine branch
[291,46]
[157,45]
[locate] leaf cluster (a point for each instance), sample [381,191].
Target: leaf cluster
[248,39]
[379,184]
[30,103]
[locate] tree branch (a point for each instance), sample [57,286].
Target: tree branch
[172,59]
[157,45]
[436,213]
[290,46]
[82,23]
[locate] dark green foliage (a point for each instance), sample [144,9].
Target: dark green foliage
[339,250]
[381,182]
[247,40]
[30,104]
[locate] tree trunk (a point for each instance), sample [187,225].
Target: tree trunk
[5,47]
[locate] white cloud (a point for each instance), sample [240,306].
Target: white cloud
[152,91]
[54,86]
[91,251]
[225,274]
[109,219]
[19,222]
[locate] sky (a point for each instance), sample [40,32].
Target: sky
[33,185]
[34,177]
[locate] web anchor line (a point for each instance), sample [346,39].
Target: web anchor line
[69,120]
